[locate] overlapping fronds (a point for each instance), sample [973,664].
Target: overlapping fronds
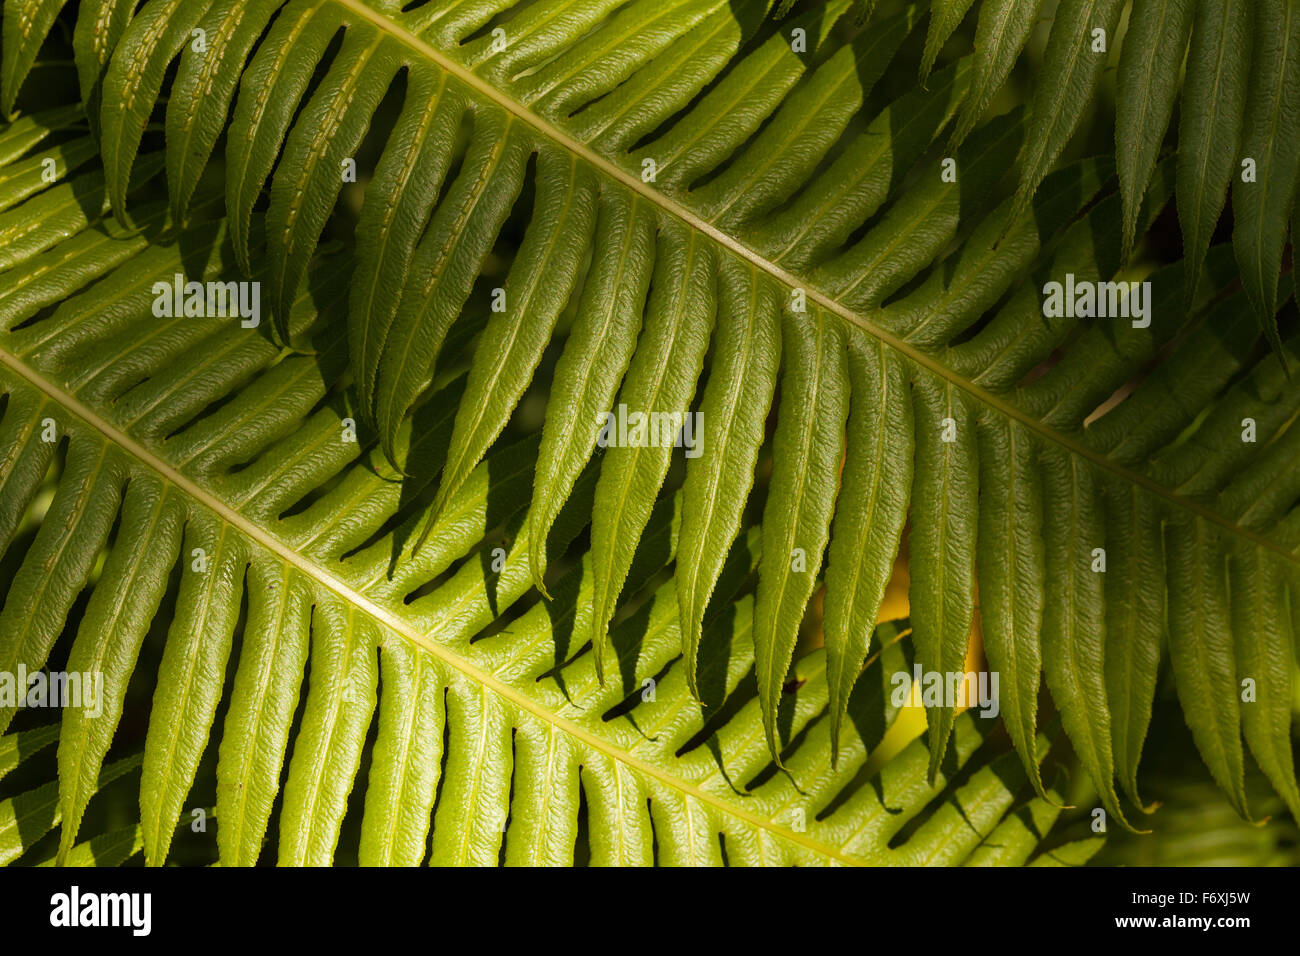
[211,475]
[716,215]
[1231,66]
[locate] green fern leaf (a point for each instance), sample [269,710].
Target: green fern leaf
[869,515]
[1209,130]
[734,411]
[1270,140]
[945,517]
[808,451]
[26,25]
[945,17]
[1003,30]
[1073,63]
[1145,91]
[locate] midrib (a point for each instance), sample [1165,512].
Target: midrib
[694,221]
[378,612]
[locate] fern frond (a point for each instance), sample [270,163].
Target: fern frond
[691,195]
[220,464]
